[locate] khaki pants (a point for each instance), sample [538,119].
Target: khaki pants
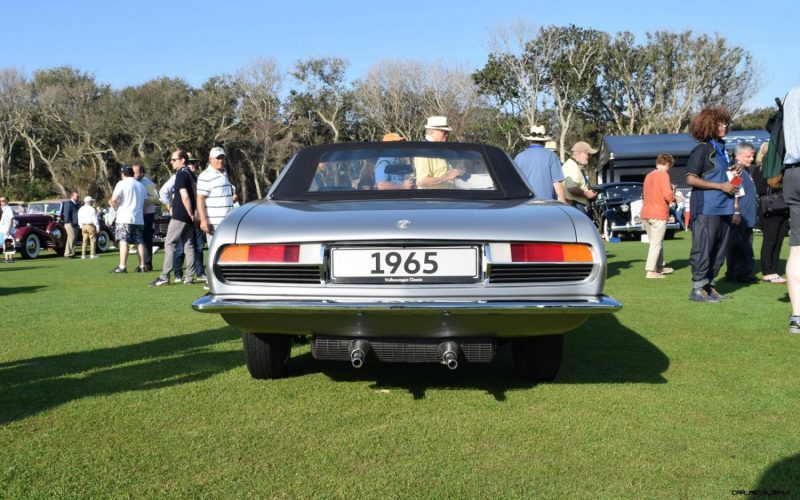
[89,233]
[655,233]
[69,249]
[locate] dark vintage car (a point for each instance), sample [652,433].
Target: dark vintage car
[617,210]
[444,268]
[42,227]
[160,228]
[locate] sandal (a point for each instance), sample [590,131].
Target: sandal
[653,275]
[666,270]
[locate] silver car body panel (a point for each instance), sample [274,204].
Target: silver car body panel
[408,310]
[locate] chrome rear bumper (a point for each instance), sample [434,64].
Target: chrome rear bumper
[424,319]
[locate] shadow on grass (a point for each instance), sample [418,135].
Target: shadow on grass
[30,386]
[4,291]
[602,351]
[782,478]
[14,267]
[614,267]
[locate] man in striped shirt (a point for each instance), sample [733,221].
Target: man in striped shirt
[214,192]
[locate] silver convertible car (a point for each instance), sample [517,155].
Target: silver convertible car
[405,252]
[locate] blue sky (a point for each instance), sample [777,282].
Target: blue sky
[128,43]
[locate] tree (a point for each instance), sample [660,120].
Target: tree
[15,104]
[324,93]
[397,96]
[62,134]
[691,73]
[389,99]
[264,138]
[573,72]
[753,120]
[155,120]
[514,77]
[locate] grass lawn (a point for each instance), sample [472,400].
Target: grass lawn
[110,388]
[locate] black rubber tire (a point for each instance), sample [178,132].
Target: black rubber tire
[537,359]
[670,234]
[31,247]
[266,355]
[103,241]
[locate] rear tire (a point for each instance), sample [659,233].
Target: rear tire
[537,359]
[266,355]
[670,234]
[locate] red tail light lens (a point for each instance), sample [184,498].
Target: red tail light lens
[550,252]
[258,254]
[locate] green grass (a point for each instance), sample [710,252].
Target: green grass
[110,388]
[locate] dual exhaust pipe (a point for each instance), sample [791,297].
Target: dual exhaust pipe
[448,350]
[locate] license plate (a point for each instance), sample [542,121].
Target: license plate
[402,266]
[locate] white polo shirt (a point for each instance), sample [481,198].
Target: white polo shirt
[218,191]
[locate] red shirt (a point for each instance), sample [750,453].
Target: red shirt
[657,196]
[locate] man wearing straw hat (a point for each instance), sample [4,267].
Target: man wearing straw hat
[541,167]
[433,173]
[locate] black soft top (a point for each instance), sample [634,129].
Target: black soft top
[293,183]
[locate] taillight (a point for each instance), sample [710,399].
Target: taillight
[260,254]
[550,252]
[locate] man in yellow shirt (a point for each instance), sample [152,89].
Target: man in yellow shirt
[576,186]
[433,173]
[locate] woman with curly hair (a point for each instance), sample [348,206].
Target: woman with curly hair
[712,202]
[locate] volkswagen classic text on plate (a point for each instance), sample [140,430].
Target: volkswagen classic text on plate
[406,252]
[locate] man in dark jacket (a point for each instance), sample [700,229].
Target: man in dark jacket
[741,260]
[181,225]
[70,213]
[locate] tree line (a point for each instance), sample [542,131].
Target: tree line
[62,131]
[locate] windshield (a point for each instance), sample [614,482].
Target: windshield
[39,207]
[400,169]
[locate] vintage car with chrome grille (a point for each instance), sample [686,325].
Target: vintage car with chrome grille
[405,252]
[618,207]
[41,226]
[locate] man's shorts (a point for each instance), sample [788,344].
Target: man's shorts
[791,193]
[132,233]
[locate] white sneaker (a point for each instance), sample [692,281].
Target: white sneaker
[83,256]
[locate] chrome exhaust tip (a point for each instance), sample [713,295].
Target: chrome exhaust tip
[449,351]
[358,352]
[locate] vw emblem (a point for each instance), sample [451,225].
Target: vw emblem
[403,223]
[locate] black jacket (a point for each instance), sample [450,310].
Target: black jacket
[70,213]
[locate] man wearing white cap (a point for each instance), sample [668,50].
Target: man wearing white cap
[576,185]
[541,167]
[214,192]
[87,220]
[433,173]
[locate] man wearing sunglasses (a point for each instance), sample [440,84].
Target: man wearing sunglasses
[181,225]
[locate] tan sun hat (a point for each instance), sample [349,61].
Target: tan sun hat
[538,134]
[438,123]
[392,136]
